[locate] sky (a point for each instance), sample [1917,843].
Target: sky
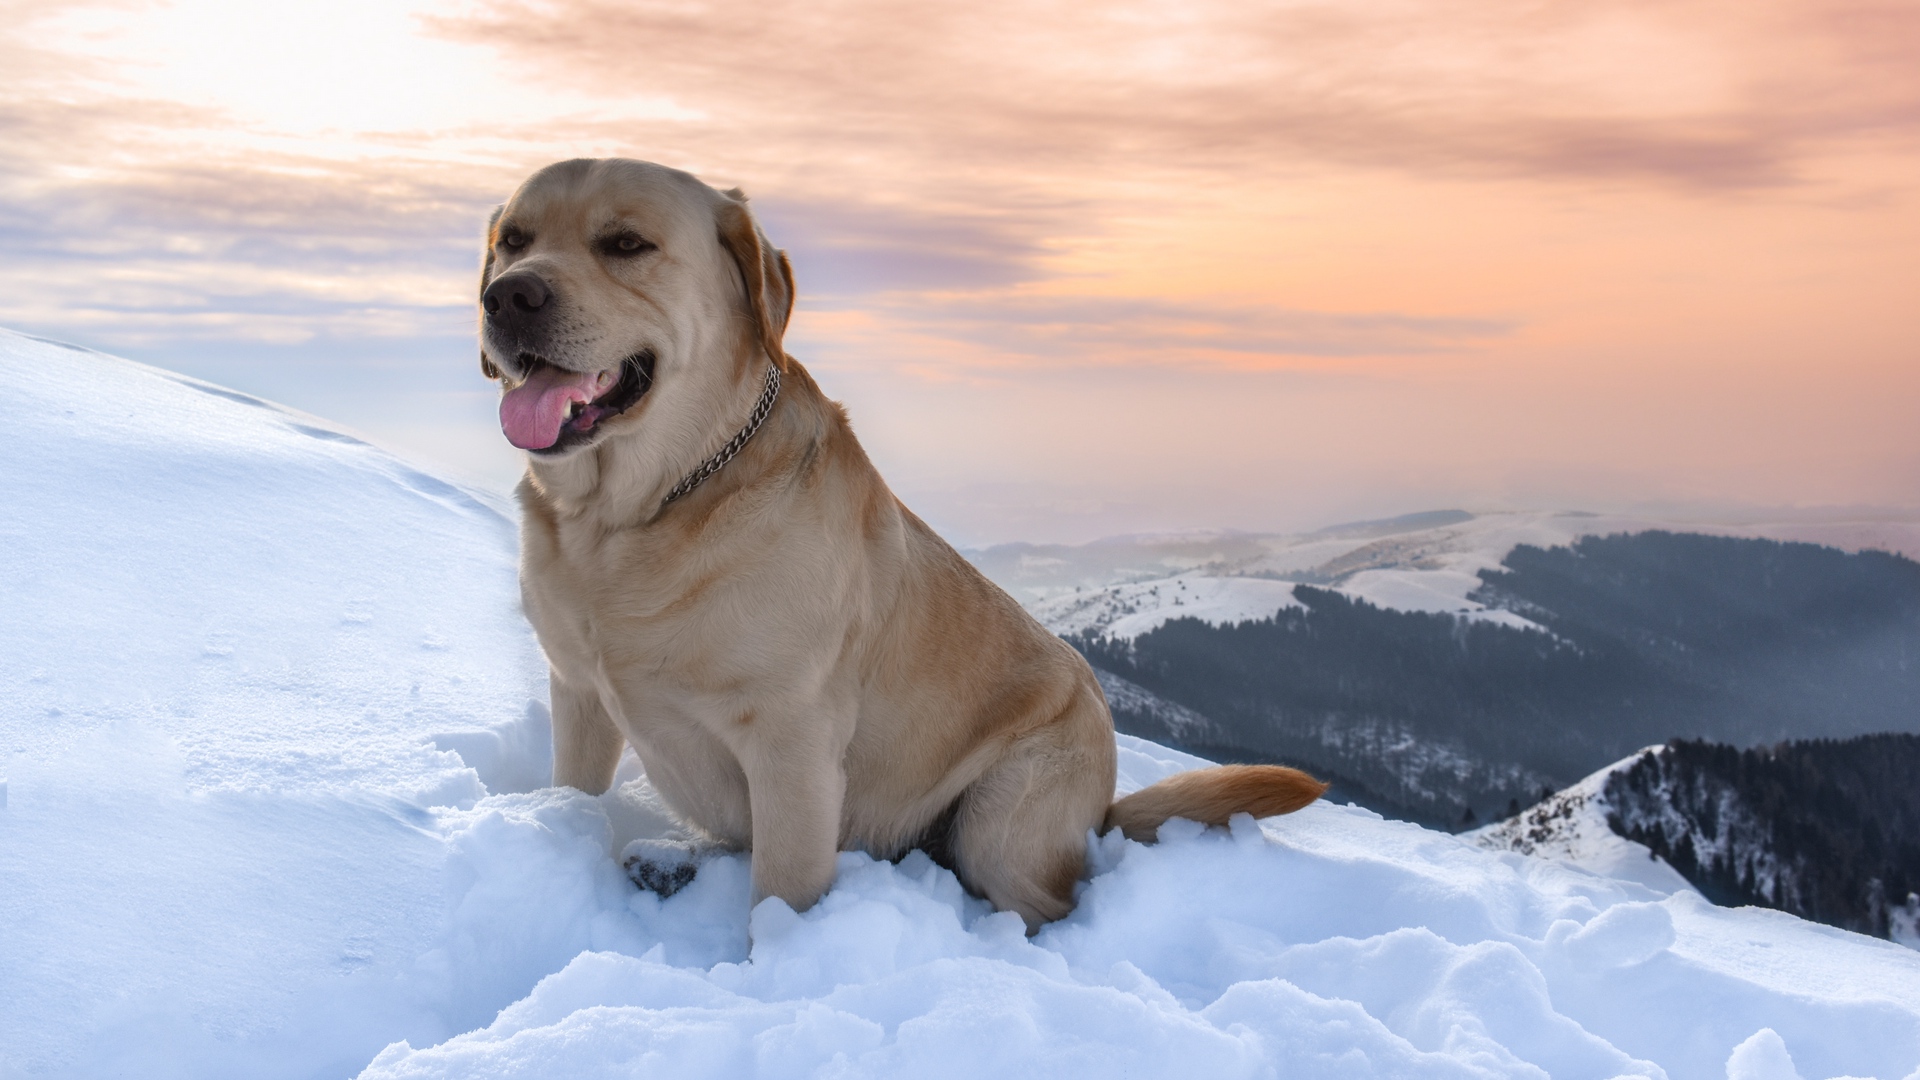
[1076,269]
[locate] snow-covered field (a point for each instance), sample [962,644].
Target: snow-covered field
[273,746]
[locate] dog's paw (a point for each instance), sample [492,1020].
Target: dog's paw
[665,866]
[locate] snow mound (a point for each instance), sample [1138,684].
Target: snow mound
[1328,943]
[273,747]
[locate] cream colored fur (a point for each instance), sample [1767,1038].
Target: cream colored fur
[800,663]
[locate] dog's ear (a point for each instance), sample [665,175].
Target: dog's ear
[486,272]
[766,271]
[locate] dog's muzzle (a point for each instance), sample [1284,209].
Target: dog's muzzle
[555,409]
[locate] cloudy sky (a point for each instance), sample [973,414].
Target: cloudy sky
[1076,269]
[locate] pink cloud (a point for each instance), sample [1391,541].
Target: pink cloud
[942,98]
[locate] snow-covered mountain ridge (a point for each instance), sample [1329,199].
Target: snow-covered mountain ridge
[1571,826]
[1823,830]
[1430,562]
[274,748]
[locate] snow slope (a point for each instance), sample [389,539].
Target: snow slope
[273,745]
[1570,826]
[235,642]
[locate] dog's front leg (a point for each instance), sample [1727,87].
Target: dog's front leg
[795,788]
[586,744]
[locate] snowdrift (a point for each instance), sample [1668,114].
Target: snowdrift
[274,755]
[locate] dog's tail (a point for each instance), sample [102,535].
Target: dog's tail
[1211,796]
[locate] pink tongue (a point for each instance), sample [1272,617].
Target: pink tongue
[531,413]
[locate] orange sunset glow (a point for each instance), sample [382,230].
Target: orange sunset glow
[1075,269]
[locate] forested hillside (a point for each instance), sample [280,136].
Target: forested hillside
[1826,829]
[1647,637]
[1766,640]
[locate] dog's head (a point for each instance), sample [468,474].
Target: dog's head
[611,288]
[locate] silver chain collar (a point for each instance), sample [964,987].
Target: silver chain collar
[719,461]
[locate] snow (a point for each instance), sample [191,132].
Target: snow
[233,637]
[1570,826]
[1435,591]
[271,730]
[1128,610]
[1904,920]
[1763,1057]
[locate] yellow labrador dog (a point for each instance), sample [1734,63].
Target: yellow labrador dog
[721,580]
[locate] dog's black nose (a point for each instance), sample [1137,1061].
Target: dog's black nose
[515,294]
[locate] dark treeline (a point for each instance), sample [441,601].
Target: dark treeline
[1647,637]
[1334,685]
[1826,829]
[1773,640]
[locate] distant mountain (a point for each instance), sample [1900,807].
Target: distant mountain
[1428,561]
[1826,829]
[1615,642]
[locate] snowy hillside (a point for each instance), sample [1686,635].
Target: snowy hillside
[1570,826]
[273,745]
[1823,829]
[1428,562]
[1784,827]
[1129,609]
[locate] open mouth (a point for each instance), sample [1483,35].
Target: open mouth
[555,409]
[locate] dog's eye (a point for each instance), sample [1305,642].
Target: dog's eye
[514,239]
[626,245]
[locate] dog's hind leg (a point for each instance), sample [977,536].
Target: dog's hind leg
[586,744]
[1020,834]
